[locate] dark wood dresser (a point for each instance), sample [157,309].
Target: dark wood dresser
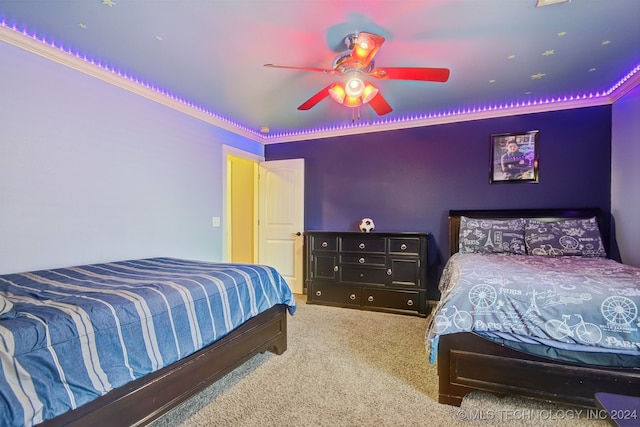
[371,271]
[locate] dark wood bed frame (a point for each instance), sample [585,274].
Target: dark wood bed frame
[467,362]
[148,398]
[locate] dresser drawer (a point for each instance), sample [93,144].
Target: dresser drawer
[363,243]
[363,259]
[324,243]
[335,294]
[398,300]
[365,275]
[404,245]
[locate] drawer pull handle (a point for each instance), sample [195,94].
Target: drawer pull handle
[361,246]
[318,293]
[389,272]
[352,297]
[403,247]
[361,275]
[335,268]
[361,260]
[325,244]
[370,299]
[410,302]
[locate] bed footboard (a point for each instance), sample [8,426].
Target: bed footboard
[146,399]
[467,362]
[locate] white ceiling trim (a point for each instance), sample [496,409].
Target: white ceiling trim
[58,55]
[450,118]
[79,64]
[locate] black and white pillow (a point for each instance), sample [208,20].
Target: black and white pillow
[491,236]
[575,237]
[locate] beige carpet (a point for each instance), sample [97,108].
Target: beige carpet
[347,367]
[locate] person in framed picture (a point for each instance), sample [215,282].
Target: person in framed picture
[514,163]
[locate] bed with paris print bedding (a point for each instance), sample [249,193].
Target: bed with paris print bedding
[584,304]
[532,306]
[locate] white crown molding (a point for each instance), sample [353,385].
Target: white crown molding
[60,56]
[489,113]
[626,86]
[53,53]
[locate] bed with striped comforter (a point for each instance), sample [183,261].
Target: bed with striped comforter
[70,335]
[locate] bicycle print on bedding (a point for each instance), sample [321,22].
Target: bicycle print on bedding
[567,302]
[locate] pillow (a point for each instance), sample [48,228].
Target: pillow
[491,236]
[577,237]
[5,305]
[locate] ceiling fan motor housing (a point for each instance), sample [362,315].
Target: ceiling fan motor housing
[343,64]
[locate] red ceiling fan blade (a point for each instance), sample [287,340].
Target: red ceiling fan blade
[410,73]
[311,102]
[380,105]
[319,70]
[365,48]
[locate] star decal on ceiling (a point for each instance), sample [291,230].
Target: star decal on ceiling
[159,38]
[83,26]
[606,42]
[108,3]
[562,33]
[511,57]
[548,52]
[537,76]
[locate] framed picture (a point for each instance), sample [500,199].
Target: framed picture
[514,157]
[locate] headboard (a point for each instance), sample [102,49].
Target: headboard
[539,214]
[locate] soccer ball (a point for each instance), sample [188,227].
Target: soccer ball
[366,225]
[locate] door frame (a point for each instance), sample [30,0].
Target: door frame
[226,206]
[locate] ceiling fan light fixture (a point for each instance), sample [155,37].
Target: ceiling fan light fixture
[352,101]
[337,93]
[354,87]
[369,92]
[362,47]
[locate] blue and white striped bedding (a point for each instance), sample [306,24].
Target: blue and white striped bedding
[76,333]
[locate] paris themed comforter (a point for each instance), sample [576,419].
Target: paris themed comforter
[70,335]
[568,302]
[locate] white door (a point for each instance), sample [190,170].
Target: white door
[281,219]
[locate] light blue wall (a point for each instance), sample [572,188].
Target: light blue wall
[625,175]
[90,172]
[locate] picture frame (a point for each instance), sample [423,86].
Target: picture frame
[514,157]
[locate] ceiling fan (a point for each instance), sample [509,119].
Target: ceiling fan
[355,65]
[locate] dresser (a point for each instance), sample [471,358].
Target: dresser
[371,271]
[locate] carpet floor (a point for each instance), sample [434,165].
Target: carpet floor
[347,367]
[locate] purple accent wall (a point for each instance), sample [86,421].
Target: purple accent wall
[407,180]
